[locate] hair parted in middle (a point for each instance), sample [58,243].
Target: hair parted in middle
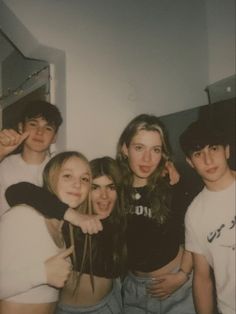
[157,195]
[107,166]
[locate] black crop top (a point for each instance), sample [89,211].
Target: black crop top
[49,205]
[151,245]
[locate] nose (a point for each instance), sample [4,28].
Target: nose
[207,158]
[39,130]
[104,193]
[77,183]
[147,155]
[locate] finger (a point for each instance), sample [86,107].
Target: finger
[5,137]
[160,279]
[9,133]
[164,297]
[66,252]
[97,223]
[10,137]
[84,229]
[23,137]
[4,140]
[92,227]
[155,283]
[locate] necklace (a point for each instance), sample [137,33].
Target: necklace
[136,195]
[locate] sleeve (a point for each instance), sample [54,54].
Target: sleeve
[20,270]
[19,280]
[40,199]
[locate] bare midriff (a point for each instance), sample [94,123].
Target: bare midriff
[25,308]
[85,296]
[168,268]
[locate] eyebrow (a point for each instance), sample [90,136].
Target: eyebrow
[70,169]
[47,123]
[137,143]
[106,185]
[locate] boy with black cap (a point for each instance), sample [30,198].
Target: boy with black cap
[210,218]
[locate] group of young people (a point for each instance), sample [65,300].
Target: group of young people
[105,236]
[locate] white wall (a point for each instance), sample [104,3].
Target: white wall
[221,17]
[122,58]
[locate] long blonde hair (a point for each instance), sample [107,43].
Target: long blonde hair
[50,179]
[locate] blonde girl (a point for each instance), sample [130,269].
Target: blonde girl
[159,269]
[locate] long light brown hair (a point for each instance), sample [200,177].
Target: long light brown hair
[157,188]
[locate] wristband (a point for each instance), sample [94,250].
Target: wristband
[187,275]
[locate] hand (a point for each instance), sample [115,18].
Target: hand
[58,268]
[172,172]
[10,140]
[88,223]
[163,286]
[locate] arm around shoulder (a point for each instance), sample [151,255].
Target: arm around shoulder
[42,200]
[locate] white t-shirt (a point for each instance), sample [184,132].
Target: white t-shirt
[210,231]
[25,245]
[14,169]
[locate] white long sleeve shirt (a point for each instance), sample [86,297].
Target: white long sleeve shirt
[25,245]
[14,169]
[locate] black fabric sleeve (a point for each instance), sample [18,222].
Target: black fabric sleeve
[40,199]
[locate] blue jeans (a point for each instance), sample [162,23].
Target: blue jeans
[137,301]
[111,304]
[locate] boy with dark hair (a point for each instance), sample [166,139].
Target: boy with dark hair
[210,218]
[37,130]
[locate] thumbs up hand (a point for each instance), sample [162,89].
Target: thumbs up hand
[10,140]
[58,268]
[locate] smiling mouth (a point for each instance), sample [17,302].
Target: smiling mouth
[211,170]
[37,140]
[103,206]
[74,194]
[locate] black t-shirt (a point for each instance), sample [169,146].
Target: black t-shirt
[150,244]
